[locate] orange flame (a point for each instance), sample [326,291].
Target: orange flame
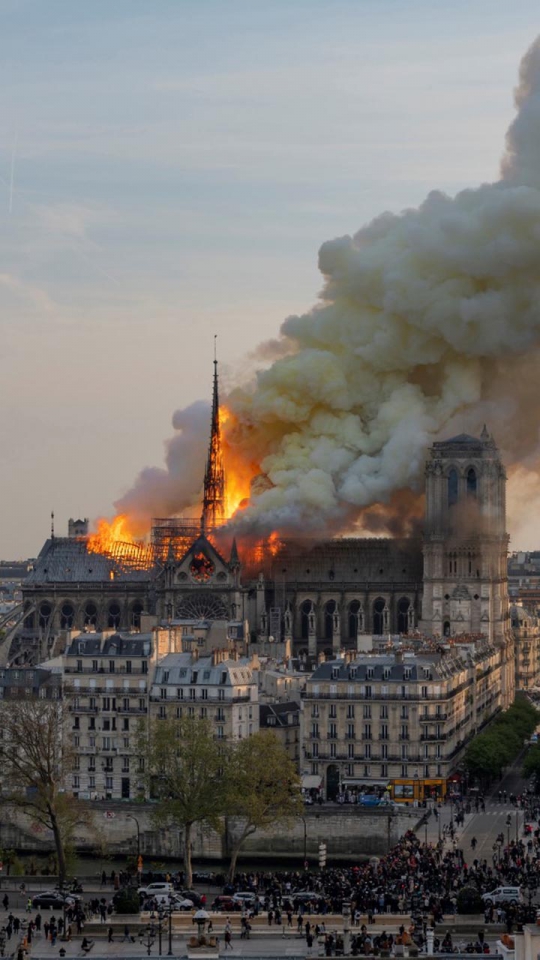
[112,537]
[238,472]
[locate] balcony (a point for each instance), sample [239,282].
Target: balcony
[433,718]
[73,709]
[433,736]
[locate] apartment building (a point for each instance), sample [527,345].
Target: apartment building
[106,677]
[283,719]
[526,630]
[215,688]
[399,721]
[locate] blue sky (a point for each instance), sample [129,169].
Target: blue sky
[176,166]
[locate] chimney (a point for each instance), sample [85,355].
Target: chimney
[398,656]
[194,654]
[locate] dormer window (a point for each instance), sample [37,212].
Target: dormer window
[335,673]
[369,673]
[407,673]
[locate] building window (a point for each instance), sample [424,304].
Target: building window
[350,711]
[125,764]
[404,770]
[404,713]
[384,712]
[333,751]
[128,666]
[367,751]
[220,734]
[333,711]
[350,769]
[332,731]
[367,731]
[112,666]
[108,783]
[315,710]
[366,711]
[471,482]
[350,750]
[79,666]
[92,783]
[384,770]
[366,772]
[163,693]
[76,782]
[384,731]
[384,751]
[315,769]
[162,713]
[351,731]
[221,694]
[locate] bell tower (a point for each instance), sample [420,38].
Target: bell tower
[466,544]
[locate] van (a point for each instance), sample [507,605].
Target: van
[503,895]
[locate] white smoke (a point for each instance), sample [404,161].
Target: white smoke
[426,323]
[159,492]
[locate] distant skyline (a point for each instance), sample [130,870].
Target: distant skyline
[169,170]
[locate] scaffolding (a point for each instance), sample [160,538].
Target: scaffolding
[173,536]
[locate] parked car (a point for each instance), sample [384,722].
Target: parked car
[503,895]
[179,903]
[226,903]
[54,900]
[246,898]
[154,888]
[191,895]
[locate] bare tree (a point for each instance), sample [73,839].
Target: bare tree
[35,761]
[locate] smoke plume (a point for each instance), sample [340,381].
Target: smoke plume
[428,324]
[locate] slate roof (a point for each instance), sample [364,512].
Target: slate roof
[117,645]
[357,671]
[181,667]
[280,712]
[66,559]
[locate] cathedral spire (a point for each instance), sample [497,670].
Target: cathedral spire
[213,512]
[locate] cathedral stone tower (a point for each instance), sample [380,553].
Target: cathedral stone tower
[466,545]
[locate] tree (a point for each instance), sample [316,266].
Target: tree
[184,767]
[263,787]
[531,765]
[35,761]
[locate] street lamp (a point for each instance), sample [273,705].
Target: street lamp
[166,911]
[147,937]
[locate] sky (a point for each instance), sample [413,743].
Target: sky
[169,170]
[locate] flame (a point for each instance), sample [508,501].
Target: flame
[273,543]
[238,472]
[112,536]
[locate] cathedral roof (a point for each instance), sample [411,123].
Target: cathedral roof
[67,559]
[462,438]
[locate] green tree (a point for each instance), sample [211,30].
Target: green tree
[263,787]
[531,765]
[36,760]
[184,767]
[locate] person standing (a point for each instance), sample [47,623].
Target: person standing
[228,934]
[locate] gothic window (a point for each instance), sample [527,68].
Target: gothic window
[201,607]
[305,610]
[45,611]
[136,612]
[113,617]
[329,610]
[354,607]
[202,569]
[403,615]
[378,618]
[453,491]
[67,616]
[90,614]
[471,482]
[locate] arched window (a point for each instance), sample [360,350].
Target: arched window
[453,490]
[354,607]
[378,618]
[403,615]
[90,614]
[329,611]
[45,612]
[114,615]
[305,611]
[67,616]
[471,482]
[136,611]
[446,628]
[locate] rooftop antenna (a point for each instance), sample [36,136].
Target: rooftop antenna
[52,524]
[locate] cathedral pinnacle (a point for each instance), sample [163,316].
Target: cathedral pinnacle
[213,512]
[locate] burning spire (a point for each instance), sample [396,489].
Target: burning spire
[213,512]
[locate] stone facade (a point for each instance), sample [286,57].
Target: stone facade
[399,719]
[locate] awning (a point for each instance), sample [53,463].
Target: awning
[311,782]
[355,781]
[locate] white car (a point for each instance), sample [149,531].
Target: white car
[179,903]
[152,889]
[246,898]
[503,895]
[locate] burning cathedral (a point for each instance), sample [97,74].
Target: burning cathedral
[322,595]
